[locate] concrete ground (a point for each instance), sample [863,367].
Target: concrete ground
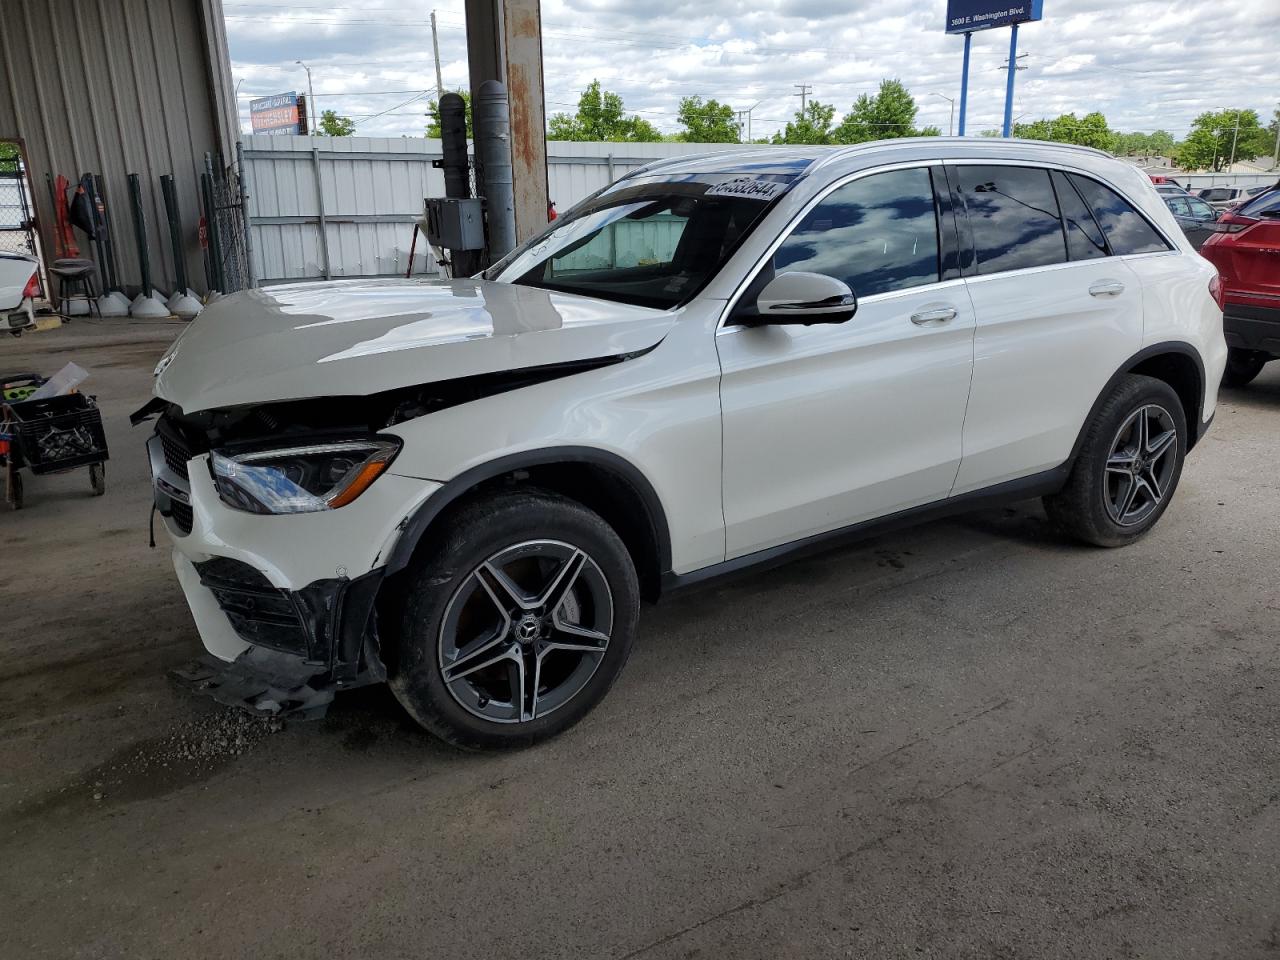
[967,740]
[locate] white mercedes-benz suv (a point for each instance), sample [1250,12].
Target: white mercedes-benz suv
[467,487]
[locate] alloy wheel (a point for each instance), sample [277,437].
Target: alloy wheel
[526,630]
[1140,465]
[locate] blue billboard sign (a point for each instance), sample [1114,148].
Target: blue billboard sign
[966,16]
[276,114]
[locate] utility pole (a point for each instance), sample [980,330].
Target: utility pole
[805,90]
[1013,67]
[951,127]
[747,113]
[1234,138]
[313,115]
[1275,160]
[435,48]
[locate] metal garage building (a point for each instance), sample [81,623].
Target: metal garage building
[115,87]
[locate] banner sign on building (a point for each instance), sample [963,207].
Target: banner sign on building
[276,114]
[966,16]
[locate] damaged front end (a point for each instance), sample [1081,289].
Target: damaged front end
[285,651]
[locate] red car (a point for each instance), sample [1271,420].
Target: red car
[1246,251]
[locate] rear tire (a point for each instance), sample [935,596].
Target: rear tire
[98,478]
[1128,466]
[517,624]
[1242,367]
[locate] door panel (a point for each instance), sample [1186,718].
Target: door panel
[831,424]
[825,426]
[1045,348]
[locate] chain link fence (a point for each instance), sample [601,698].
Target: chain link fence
[223,231]
[16,233]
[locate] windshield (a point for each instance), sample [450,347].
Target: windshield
[647,241]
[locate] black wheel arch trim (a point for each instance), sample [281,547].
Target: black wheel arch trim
[417,523]
[1146,353]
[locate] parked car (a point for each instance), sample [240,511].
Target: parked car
[19,287]
[1196,218]
[1249,193]
[466,487]
[1221,197]
[1246,252]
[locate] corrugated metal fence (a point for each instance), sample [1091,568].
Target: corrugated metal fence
[345,206]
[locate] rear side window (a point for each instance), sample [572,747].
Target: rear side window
[877,234]
[1014,217]
[1084,237]
[1127,230]
[1256,207]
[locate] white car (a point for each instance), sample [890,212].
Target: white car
[466,487]
[19,286]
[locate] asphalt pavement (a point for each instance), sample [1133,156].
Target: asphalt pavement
[971,739]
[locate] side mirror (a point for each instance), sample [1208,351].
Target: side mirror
[801,298]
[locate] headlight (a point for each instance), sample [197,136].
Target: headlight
[303,479]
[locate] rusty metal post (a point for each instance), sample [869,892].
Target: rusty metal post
[504,43]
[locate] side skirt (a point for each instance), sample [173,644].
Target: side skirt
[1025,488]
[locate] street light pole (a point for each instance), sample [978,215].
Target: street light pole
[951,126]
[312,118]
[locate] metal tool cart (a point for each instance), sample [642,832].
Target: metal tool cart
[52,435]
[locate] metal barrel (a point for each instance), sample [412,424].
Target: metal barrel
[492,120]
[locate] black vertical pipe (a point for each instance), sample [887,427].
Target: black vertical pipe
[104,213]
[140,231]
[453,144]
[99,234]
[175,231]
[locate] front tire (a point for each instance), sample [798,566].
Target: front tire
[517,624]
[1243,366]
[1128,466]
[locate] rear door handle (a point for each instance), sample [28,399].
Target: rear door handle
[1106,288]
[934,317]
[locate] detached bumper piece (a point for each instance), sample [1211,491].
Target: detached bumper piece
[264,682]
[307,643]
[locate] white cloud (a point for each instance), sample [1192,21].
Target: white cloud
[1145,64]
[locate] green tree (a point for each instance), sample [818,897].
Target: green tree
[332,125]
[1209,145]
[707,121]
[811,125]
[601,116]
[890,113]
[433,111]
[1091,130]
[8,150]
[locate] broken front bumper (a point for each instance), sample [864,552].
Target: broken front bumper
[285,603]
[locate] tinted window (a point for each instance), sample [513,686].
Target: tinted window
[1126,229]
[877,234]
[1084,236]
[1014,217]
[1216,194]
[1179,207]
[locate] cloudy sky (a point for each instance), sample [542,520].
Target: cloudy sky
[1146,65]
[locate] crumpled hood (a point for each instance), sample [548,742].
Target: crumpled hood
[356,337]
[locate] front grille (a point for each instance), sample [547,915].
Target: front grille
[180,514]
[258,612]
[176,454]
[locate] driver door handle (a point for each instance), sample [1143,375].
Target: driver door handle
[1106,288]
[934,317]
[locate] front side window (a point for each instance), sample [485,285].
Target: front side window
[649,241]
[1179,207]
[1014,217]
[877,234]
[1127,230]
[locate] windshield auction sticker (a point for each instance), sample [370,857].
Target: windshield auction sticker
[749,188]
